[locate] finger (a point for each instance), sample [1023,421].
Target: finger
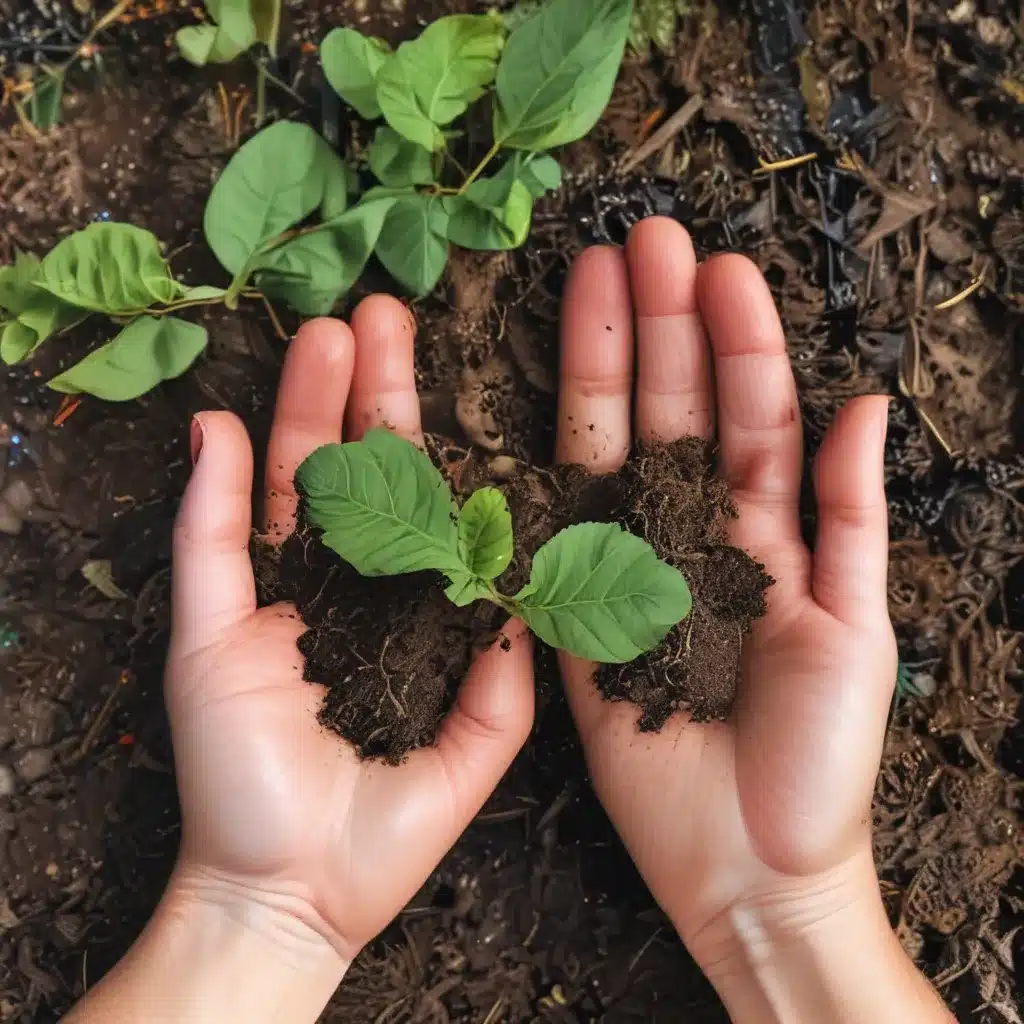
[851,557]
[310,407]
[597,363]
[759,426]
[483,732]
[213,586]
[674,395]
[384,381]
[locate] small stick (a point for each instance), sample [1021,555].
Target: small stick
[954,300]
[768,167]
[664,135]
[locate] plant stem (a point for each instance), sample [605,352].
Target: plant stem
[480,167]
[261,90]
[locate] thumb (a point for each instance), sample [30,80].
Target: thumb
[213,585]
[490,722]
[851,556]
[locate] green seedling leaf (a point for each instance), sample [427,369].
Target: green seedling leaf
[149,350]
[540,174]
[108,268]
[17,342]
[336,188]
[232,33]
[383,506]
[602,594]
[44,104]
[16,282]
[413,245]
[266,19]
[398,163]
[278,178]
[313,271]
[557,72]
[475,227]
[203,293]
[351,62]
[430,81]
[485,533]
[654,21]
[46,315]
[465,588]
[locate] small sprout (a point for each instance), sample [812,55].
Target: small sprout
[594,590]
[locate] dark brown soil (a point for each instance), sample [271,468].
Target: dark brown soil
[537,913]
[392,651]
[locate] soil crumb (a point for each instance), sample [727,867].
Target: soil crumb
[392,651]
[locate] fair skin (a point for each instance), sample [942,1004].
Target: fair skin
[753,834]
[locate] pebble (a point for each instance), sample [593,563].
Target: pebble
[8,783]
[34,764]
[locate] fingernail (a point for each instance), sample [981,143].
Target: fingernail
[196,439]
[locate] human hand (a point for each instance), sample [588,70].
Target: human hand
[286,835]
[753,834]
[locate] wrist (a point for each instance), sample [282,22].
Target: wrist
[815,949]
[221,952]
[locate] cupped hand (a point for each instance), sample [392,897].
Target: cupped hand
[764,817]
[276,810]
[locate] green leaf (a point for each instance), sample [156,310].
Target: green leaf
[430,81]
[465,588]
[397,162]
[313,271]
[557,72]
[109,268]
[196,43]
[278,178]
[266,19]
[540,174]
[475,227]
[335,198]
[46,315]
[383,506]
[602,594]
[232,33]
[148,351]
[654,21]
[351,62]
[16,342]
[44,104]
[203,293]
[485,533]
[16,282]
[413,245]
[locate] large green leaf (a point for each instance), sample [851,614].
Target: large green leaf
[398,163]
[45,314]
[351,63]
[232,32]
[603,594]
[16,342]
[313,271]
[430,81]
[108,268]
[478,227]
[485,533]
[413,244]
[16,282]
[278,178]
[383,506]
[148,351]
[557,72]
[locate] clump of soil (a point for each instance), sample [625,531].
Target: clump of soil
[392,651]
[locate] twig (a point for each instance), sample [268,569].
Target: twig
[966,293]
[770,166]
[664,135]
[643,949]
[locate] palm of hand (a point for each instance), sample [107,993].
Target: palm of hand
[722,815]
[272,803]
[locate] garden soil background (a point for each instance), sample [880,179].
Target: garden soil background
[915,194]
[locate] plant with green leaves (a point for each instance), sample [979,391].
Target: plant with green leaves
[594,589]
[656,22]
[277,219]
[548,82]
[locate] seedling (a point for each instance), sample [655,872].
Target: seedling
[235,27]
[594,590]
[548,80]
[656,22]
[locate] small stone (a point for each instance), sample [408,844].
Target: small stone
[34,764]
[8,782]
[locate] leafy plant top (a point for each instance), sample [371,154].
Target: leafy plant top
[594,590]
[548,80]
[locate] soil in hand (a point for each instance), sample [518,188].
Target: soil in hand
[392,651]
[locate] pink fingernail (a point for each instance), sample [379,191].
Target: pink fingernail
[196,439]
